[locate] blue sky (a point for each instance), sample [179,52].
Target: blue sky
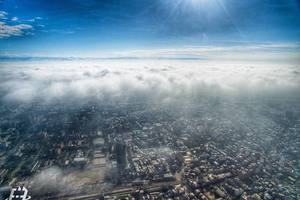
[112,27]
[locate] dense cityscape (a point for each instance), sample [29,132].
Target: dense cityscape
[215,149]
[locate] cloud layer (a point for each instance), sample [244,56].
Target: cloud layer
[140,80]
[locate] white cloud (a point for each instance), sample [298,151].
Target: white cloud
[14,19]
[7,30]
[3,14]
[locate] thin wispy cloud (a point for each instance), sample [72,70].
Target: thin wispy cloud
[57,31]
[34,19]
[235,52]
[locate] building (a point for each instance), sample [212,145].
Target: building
[121,155]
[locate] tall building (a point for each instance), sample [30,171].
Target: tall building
[121,155]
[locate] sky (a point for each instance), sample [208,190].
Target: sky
[192,29]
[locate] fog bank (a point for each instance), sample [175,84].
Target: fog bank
[156,81]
